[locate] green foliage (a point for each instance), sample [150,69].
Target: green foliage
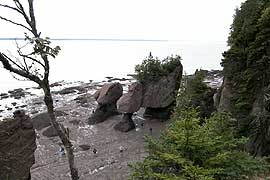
[42,46]
[247,62]
[190,151]
[200,94]
[152,69]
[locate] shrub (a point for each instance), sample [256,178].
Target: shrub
[152,69]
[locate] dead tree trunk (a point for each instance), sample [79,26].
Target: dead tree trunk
[35,67]
[60,131]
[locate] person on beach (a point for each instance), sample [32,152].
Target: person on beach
[61,151]
[121,149]
[151,130]
[95,151]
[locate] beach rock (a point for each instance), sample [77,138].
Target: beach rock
[42,120]
[162,93]
[3,96]
[106,97]
[102,113]
[131,101]
[109,93]
[49,132]
[17,147]
[84,100]
[118,79]
[69,90]
[126,124]
[56,84]
[17,93]
[75,122]
[96,94]
[84,147]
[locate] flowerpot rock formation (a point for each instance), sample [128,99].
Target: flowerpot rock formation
[106,98]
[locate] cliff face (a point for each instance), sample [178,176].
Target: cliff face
[17,147]
[225,97]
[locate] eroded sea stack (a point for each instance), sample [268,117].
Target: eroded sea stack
[17,147]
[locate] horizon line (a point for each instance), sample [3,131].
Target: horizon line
[89,39]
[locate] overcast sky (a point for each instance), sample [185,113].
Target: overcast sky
[185,20]
[195,29]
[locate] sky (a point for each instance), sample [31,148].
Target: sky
[185,20]
[198,29]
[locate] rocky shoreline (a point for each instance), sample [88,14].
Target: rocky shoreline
[74,103]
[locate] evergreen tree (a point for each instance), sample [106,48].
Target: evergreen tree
[190,151]
[246,63]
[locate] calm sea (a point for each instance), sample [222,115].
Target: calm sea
[94,60]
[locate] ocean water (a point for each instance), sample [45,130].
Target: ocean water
[86,60]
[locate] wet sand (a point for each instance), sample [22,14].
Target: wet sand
[109,163]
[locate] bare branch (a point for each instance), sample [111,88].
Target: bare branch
[19,51]
[33,59]
[10,7]
[19,64]
[18,24]
[5,61]
[31,21]
[32,16]
[25,56]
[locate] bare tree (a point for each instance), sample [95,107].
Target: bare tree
[35,66]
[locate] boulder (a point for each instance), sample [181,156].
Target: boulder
[126,124]
[84,147]
[17,147]
[159,96]
[102,113]
[106,97]
[162,93]
[42,120]
[109,93]
[131,101]
[96,94]
[50,132]
[69,90]
[3,96]
[18,93]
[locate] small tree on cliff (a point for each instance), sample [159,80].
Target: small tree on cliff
[34,66]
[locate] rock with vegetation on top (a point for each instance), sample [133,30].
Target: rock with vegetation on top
[159,96]
[17,147]
[162,93]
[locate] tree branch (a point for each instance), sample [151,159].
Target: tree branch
[12,22]
[27,57]
[33,19]
[10,7]
[8,66]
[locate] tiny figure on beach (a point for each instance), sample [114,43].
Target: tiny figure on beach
[151,130]
[95,151]
[142,123]
[61,151]
[121,149]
